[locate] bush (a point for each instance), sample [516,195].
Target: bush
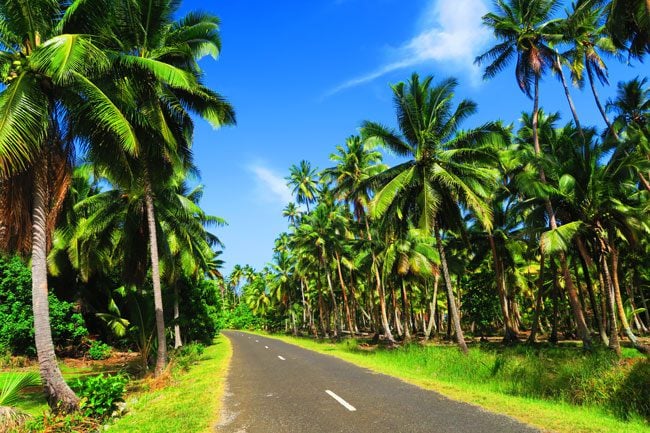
[17,319]
[186,356]
[99,350]
[100,395]
[199,311]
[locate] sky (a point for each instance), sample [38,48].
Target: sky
[303,74]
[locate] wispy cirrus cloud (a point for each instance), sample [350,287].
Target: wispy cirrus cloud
[450,33]
[271,186]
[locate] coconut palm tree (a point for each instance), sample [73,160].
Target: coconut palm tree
[585,33]
[446,167]
[303,179]
[628,21]
[292,213]
[524,29]
[161,84]
[50,73]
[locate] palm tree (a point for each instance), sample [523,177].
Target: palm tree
[292,213]
[628,21]
[163,82]
[585,32]
[50,73]
[356,163]
[446,168]
[304,181]
[522,27]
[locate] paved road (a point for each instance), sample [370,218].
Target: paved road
[274,387]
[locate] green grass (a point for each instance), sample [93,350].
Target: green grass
[191,404]
[555,389]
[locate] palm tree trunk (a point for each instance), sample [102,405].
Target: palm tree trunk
[614,343]
[432,307]
[406,318]
[337,323]
[532,338]
[590,74]
[453,309]
[583,331]
[645,306]
[585,261]
[304,305]
[161,356]
[567,93]
[178,341]
[640,326]
[320,310]
[621,310]
[509,335]
[388,335]
[59,395]
[348,317]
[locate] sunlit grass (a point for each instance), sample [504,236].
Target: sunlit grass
[555,389]
[190,404]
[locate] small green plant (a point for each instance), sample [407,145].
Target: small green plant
[186,356]
[100,395]
[59,423]
[99,350]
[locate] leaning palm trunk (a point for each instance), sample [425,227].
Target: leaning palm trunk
[161,356]
[587,263]
[59,395]
[453,309]
[583,331]
[567,93]
[621,310]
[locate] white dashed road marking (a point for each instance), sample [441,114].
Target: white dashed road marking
[344,403]
[266,347]
[281,358]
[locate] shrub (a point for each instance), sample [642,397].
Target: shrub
[186,356]
[100,394]
[99,350]
[199,311]
[17,320]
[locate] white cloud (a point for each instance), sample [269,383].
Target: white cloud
[271,186]
[450,33]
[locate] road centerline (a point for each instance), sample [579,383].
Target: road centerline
[282,358]
[343,403]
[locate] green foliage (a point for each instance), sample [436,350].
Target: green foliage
[100,394]
[481,302]
[11,385]
[99,350]
[241,317]
[186,356]
[199,311]
[59,423]
[16,318]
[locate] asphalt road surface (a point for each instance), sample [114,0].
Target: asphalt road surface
[274,387]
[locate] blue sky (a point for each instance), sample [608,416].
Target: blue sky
[302,75]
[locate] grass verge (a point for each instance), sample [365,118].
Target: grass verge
[437,372]
[191,404]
